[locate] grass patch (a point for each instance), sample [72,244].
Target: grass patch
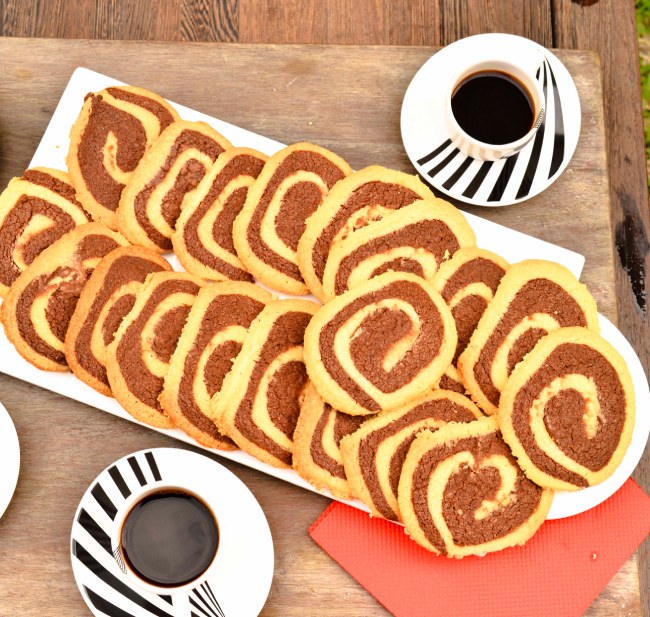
[643,31]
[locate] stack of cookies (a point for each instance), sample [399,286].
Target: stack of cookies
[440,385]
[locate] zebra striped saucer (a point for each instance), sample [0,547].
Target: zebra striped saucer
[488,183]
[239,582]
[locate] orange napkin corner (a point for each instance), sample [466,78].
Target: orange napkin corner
[559,572]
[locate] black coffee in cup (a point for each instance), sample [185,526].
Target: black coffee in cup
[169,538]
[493,107]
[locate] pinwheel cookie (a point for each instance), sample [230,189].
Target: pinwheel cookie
[203,238]
[462,493]
[364,196]
[212,337]
[373,456]
[173,167]
[380,345]
[138,358]
[266,232]
[113,131]
[567,411]
[416,238]
[37,310]
[316,443]
[259,403]
[107,297]
[468,282]
[36,209]
[534,298]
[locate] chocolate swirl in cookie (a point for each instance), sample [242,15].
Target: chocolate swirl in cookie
[534,298]
[106,299]
[259,403]
[266,232]
[468,282]
[109,138]
[40,303]
[567,411]
[317,440]
[203,239]
[36,209]
[364,196]
[173,167]
[138,358]
[417,238]
[373,456]
[462,493]
[380,345]
[211,340]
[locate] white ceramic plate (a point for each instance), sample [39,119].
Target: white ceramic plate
[499,183]
[9,459]
[237,588]
[51,152]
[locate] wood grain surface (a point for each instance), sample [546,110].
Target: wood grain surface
[346,98]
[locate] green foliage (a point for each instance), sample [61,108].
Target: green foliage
[643,31]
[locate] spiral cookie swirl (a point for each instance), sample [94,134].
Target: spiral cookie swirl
[36,209]
[138,358]
[468,282]
[171,169]
[380,345]
[462,493]
[364,196]
[113,131]
[259,403]
[107,297]
[266,232]
[416,238]
[211,340]
[203,238]
[373,456]
[316,443]
[37,310]
[567,411]
[534,298]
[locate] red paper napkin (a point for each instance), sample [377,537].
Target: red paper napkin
[559,572]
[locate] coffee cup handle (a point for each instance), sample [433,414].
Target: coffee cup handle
[531,62]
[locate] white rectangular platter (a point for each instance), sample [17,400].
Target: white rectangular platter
[51,152]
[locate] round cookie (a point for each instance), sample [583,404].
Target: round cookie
[171,169]
[534,298]
[37,310]
[138,358]
[266,232]
[462,493]
[259,402]
[107,297]
[380,345]
[36,209]
[417,238]
[373,456]
[468,282]
[316,443]
[203,237]
[364,196]
[211,340]
[567,410]
[113,131]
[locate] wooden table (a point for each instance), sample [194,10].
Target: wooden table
[346,98]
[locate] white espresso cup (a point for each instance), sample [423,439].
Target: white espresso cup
[521,65]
